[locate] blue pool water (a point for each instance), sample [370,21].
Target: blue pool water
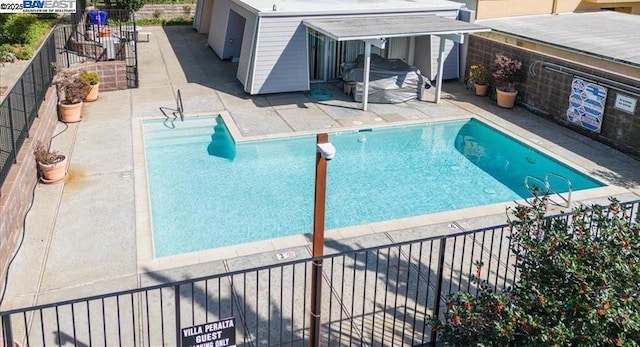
[206,192]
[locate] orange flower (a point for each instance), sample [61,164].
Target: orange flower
[468,306]
[455,320]
[600,312]
[541,299]
[499,306]
[606,305]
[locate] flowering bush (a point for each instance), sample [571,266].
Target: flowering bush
[506,72]
[479,74]
[579,285]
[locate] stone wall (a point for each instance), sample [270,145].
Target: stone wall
[148,11]
[112,74]
[17,189]
[546,92]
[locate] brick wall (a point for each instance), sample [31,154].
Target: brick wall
[547,92]
[186,11]
[18,187]
[113,74]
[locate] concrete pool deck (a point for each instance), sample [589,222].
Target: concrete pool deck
[91,234]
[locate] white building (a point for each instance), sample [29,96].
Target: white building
[285,45]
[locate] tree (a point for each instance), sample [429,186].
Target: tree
[578,285]
[132,5]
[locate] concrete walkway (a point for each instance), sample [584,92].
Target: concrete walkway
[84,237]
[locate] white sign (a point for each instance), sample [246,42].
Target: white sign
[38,6]
[625,103]
[586,104]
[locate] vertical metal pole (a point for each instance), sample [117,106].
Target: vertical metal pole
[318,243]
[11,130]
[443,246]
[176,297]
[367,66]
[440,68]
[7,332]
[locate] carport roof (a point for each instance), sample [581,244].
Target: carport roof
[374,27]
[605,34]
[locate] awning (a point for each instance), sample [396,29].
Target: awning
[374,27]
[374,30]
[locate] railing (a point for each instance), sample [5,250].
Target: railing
[20,106]
[379,296]
[114,40]
[548,188]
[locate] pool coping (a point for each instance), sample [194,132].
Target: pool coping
[147,262]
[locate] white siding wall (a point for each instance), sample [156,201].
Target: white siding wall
[245,52]
[281,61]
[450,61]
[218,29]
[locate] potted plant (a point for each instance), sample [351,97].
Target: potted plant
[92,81]
[506,73]
[479,76]
[52,164]
[70,91]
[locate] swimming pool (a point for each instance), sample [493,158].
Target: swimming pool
[206,192]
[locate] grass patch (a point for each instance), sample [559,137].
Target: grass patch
[164,22]
[21,33]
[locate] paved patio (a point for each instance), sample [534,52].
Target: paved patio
[88,235]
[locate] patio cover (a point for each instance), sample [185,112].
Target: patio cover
[374,30]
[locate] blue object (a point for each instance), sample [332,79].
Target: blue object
[98,17]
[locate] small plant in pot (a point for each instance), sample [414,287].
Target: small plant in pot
[507,72]
[479,76]
[92,81]
[70,91]
[52,164]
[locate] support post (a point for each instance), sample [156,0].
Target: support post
[318,243]
[367,66]
[440,69]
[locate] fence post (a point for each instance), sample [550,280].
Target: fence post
[443,247]
[11,130]
[6,330]
[24,105]
[176,296]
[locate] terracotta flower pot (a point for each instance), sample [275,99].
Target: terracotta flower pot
[506,99]
[93,93]
[481,89]
[52,173]
[70,113]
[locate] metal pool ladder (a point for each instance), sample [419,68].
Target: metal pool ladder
[549,188]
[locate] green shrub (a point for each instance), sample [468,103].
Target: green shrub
[579,284]
[6,53]
[167,22]
[22,28]
[133,5]
[179,21]
[5,49]
[89,78]
[23,52]
[150,21]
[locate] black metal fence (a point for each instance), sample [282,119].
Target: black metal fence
[101,35]
[20,106]
[381,296]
